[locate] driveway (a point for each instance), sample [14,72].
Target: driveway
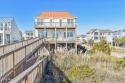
[120,55]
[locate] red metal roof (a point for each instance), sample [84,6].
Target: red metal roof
[60,14]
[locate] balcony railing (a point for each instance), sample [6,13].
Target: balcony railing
[60,40]
[55,25]
[5,29]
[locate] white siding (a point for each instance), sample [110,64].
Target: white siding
[14,34]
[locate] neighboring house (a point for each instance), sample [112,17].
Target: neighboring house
[80,38]
[21,34]
[58,27]
[100,34]
[28,34]
[9,31]
[119,34]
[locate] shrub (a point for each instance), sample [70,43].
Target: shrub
[102,46]
[84,42]
[79,73]
[120,63]
[91,42]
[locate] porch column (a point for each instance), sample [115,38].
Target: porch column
[76,40]
[66,38]
[55,38]
[44,32]
[3,37]
[98,37]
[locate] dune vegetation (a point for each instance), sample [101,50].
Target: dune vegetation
[95,66]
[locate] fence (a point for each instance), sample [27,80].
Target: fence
[118,49]
[14,57]
[32,74]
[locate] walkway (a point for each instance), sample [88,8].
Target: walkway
[117,54]
[17,57]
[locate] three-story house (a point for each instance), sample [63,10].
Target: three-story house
[9,31]
[57,27]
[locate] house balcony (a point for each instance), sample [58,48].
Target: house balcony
[96,35]
[53,40]
[55,25]
[6,31]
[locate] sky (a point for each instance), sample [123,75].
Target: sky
[100,14]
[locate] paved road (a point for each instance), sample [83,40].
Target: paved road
[120,55]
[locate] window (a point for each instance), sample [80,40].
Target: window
[51,20]
[5,25]
[1,25]
[71,20]
[41,34]
[53,34]
[5,28]
[1,28]
[64,34]
[95,38]
[109,33]
[40,21]
[68,20]
[69,34]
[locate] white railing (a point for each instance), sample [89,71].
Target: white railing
[53,39]
[55,24]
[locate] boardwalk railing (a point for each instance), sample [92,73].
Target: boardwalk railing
[32,74]
[14,58]
[8,48]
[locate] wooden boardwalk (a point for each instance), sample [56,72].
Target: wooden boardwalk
[14,57]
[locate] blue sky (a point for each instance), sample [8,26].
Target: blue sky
[102,14]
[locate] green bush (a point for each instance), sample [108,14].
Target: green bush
[79,73]
[84,42]
[120,63]
[102,46]
[91,42]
